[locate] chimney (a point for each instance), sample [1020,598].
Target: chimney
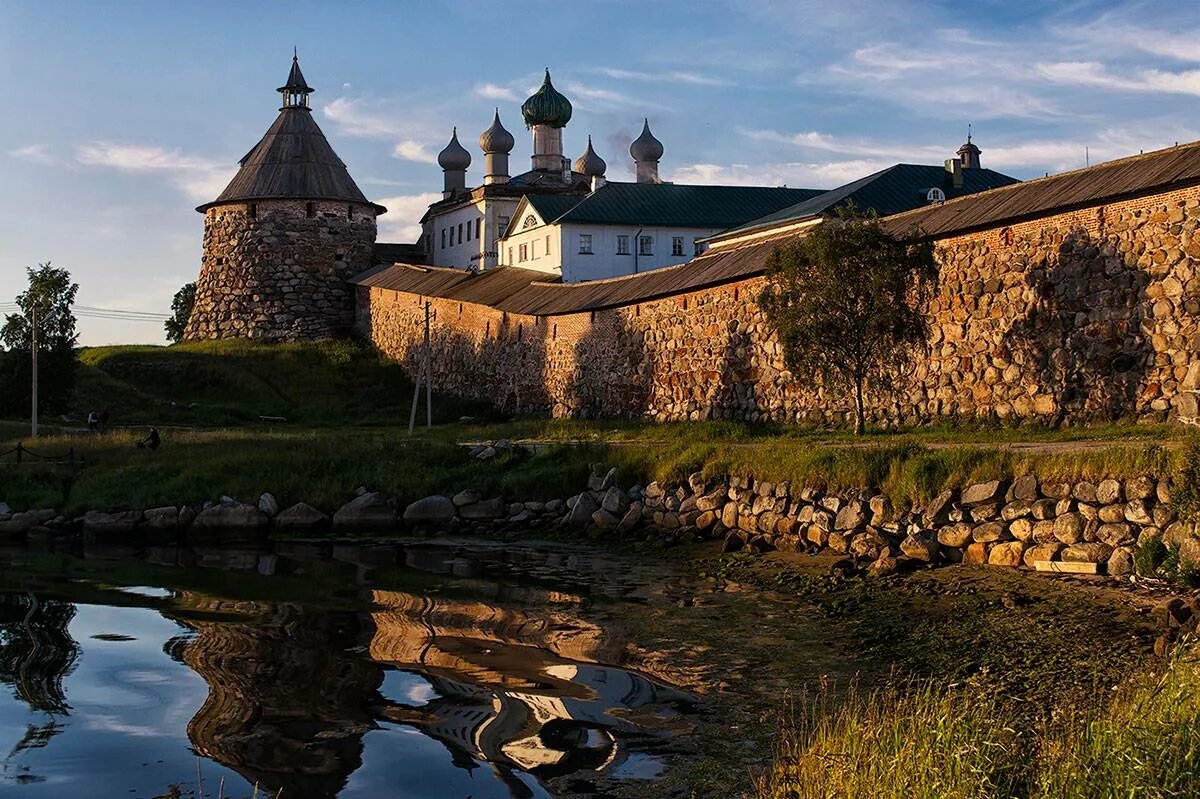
[954,175]
[597,181]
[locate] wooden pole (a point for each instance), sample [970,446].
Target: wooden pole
[412,414]
[33,348]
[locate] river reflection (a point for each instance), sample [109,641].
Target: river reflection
[319,671]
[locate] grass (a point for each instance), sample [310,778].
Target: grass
[916,740]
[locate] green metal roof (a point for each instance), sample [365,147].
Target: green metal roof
[666,205]
[896,189]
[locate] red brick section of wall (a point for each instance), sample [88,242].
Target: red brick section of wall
[1083,315]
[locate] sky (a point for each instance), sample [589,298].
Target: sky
[117,118]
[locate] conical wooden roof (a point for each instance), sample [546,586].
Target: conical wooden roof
[292,161]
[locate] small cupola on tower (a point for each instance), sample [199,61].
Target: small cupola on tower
[296,91]
[496,143]
[646,151]
[969,153]
[591,165]
[546,113]
[454,160]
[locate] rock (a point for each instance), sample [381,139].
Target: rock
[631,519]
[486,453]
[1137,512]
[466,497]
[842,568]
[985,512]
[976,554]
[1094,552]
[5,510]
[1041,552]
[989,532]
[729,515]
[706,519]
[883,566]
[164,518]
[955,536]
[1042,509]
[1140,488]
[1120,561]
[1018,509]
[713,500]
[1111,513]
[609,480]
[582,510]
[1163,515]
[187,515]
[1025,489]
[483,510]
[1084,491]
[1008,553]
[837,542]
[1068,528]
[231,517]
[1109,492]
[123,522]
[1115,534]
[1189,553]
[816,535]
[938,509]
[920,545]
[851,517]
[617,502]
[1043,532]
[881,509]
[1021,529]
[981,493]
[734,542]
[1056,490]
[268,504]
[555,506]
[605,520]
[301,517]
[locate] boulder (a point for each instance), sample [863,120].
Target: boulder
[374,509]
[483,510]
[164,518]
[95,521]
[938,509]
[976,554]
[1093,552]
[268,504]
[1041,552]
[1140,488]
[1043,532]
[883,566]
[989,532]
[713,500]
[616,502]
[1137,512]
[5,510]
[1021,529]
[466,497]
[985,512]
[1084,491]
[605,520]
[582,510]
[851,517]
[555,506]
[631,519]
[1115,534]
[1109,492]
[729,515]
[1042,509]
[1068,528]
[920,545]
[1120,561]
[1025,489]
[1017,509]
[955,536]
[1189,553]
[1008,553]
[231,517]
[981,493]
[301,517]
[1110,514]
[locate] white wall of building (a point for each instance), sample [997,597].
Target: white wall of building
[479,223]
[570,255]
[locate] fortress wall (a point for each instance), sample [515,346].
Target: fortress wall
[1084,315]
[280,274]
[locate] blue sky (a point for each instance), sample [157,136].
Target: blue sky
[120,117]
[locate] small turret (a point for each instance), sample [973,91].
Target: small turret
[646,151]
[496,143]
[969,153]
[454,160]
[296,91]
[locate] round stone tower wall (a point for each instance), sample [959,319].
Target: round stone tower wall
[277,269]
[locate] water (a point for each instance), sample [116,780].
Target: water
[399,670]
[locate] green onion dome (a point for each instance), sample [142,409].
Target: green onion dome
[546,107]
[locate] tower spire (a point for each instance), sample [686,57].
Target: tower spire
[296,91]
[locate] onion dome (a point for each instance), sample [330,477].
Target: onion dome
[646,147]
[546,107]
[496,139]
[589,163]
[455,157]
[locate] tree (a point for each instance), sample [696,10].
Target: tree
[50,296]
[846,301]
[181,309]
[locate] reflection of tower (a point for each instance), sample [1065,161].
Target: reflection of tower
[287,706]
[36,650]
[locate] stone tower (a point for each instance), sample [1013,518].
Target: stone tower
[284,237]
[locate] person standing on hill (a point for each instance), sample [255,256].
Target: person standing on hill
[103,420]
[151,441]
[93,421]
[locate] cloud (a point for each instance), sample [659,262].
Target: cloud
[362,118]
[402,221]
[409,150]
[200,178]
[1095,74]
[493,92]
[796,174]
[875,150]
[34,154]
[674,76]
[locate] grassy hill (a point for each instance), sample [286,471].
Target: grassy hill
[231,383]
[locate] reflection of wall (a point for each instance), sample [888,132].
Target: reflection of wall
[36,650]
[287,706]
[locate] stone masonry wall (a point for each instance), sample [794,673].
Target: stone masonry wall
[1093,314]
[281,274]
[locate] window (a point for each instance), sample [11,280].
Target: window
[585,243]
[309,210]
[253,211]
[677,245]
[469,231]
[477,222]
[349,211]
[510,260]
[530,221]
[524,252]
[697,248]
[622,245]
[645,245]
[460,232]
[443,238]
[547,244]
